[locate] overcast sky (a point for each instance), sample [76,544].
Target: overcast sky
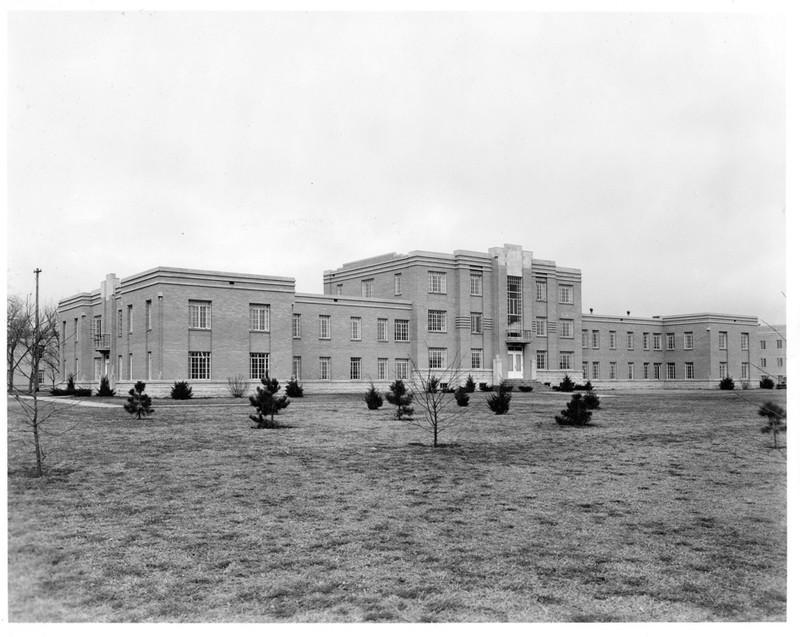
[646,149]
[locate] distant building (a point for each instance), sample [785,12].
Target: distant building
[495,315]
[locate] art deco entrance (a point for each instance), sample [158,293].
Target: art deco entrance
[515,362]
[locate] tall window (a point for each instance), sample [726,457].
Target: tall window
[688,370]
[437,282]
[339,289]
[646,340]
[630,371]
[585,339]
[670,371]
[657,371]
[97,326]
[763,344]
[324,326]
[130,366]
[612,371]
[646,370]
[745,370]
[476,359]
[149,365]
[565,360]
[355,328]
[259,318]
[565,294]
[355,368]
[475,284]
[514,287]
[401,368]
[541,359]
[779,343]
[383,369]
[780,361]
[670,342]
[259,365]
[76,331]
[295,326]
[541,290]
[437,321]
[723,340]
[401,330]
[297,367]
[324,367]
[745,341]
[566,328]
[383,329]
[541,326]
[612,340]
[629,340]
[595,339]
[436,357]
[200,315]
[199,365]
[657,342]
[688,340]
[130,321]
[367,288]
[723,370]
[148,315]
[398,283]
[595,370]
[585,369]
[119,324]
[763,362]
[475,320]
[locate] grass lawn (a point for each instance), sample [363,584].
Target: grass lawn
[672,509]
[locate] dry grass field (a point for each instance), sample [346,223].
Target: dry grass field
[672,509]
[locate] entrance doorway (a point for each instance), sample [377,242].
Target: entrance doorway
[515,362]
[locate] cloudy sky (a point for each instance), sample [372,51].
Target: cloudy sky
[646,149]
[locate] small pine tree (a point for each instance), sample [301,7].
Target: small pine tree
[766,383]
[726,383]
[566,385]
[105,387]
[591,400]
[181,390]
[70,384]
[294,389]
[373,397]
[500,401]
[470,384]
[576,414]
[267,403]
[462,396]
[138,402]
[588,386]
[776,420]
[401,398]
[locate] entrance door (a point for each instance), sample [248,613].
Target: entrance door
[515,364]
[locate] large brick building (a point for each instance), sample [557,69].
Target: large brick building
[495,315]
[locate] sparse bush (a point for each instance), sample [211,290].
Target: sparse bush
[727,383]
[525,388]
[294,389]
[58,391]
[500,401]
[267,403]
[776,419]
[105,387]
[181,390]
[82,392]
[745,383]
[566,384]
[576,414]
[462,396]
[373,398]
[469,385]
[401,398]
[138,402]
[238,386]
[766,383]
[70,384]
[591,400]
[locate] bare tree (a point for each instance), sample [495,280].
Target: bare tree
[433,402]
[26,345]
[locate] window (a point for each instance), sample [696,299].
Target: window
[437,321]
[119,364]
[779,343]
[688,340]
[199,315]
[630,371]
[646,340]
[77,332]
[339,289]
[324,326]
[40,376]
[477,359]
[119,323]
[585,339]
[565,360]
[97,326]
[596,370]
[199,365]
[355,328]
[657,342]
[296,326]
[130,322]
[148,315]
[475,319]
[670,342]
[646,370]
[401,330]
[723,370]
[723,340]
[367,287]
[383,329]
[745,370]
[259,318]
[670,371]
[383,369]
[398,283]
[436,358]
[595,339]
[437,282]
[324,367]
[541,359]
[612,340]
[541,290]
[763,362]
[566,328]
[259,366]
[401,368]
[514,289]
[780,361]
[629,340]
[565,294]
[585,369]
[130,366]
[763,344]
[355,368]
[297,367]
[612,371]
[149,365]
[657,371]
[541,326]
[745,341]
[688,370]
[475,284]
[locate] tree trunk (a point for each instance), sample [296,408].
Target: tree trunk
[36,444]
